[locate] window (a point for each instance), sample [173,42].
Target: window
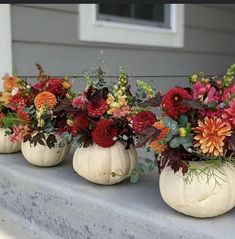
[5,40]
[135,24]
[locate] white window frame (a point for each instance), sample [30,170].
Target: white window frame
[93,30]
[5,41]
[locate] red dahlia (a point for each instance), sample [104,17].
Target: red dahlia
[55,86]
[142,120]
[17,101]
[104,133]
[23,115]
[97,109]
[171,99]
[81,122]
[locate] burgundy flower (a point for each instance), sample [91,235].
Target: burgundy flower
[97,109]
[171,99]
[142,120]
[104,133]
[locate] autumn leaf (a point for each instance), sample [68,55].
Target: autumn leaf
[153,102]
[191,103]
[51,141]
[149,134]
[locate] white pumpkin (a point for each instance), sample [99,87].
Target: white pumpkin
[199,197]
[96,163]
[6,146]
[43,156]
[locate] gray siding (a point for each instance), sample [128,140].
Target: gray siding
[48,34]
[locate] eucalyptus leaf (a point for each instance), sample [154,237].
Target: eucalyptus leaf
[212,104]
[175,142]
[183,120]
[169,136]
[134,177]
[170,123]
[147,160]
[186,141]
[151,167]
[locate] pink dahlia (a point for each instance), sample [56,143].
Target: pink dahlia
[121,112]
[97,109]
[228,92]
[229,114]
[80,102]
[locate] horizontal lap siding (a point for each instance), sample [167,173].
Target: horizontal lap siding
[48,34]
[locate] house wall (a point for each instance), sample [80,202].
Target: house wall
[48,34]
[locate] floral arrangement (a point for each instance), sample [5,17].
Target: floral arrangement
[9,85]
[33,109]
[105,113]
[196,123]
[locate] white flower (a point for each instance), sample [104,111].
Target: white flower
[14,91]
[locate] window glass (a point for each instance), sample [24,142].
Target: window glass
[142,14]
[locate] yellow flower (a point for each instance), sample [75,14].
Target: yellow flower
[41,123]
[115,105]
[122,100]
[70,122]
[182,132]
[110,99]
[211,134]
[5,97]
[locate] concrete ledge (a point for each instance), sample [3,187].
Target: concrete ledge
[14,227]
[62,203]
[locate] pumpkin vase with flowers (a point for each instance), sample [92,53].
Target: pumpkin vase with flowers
[193,142]
[9,85]
[101,121]
[38,126]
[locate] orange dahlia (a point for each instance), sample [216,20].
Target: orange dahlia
[156,145]
[45,98]
[211,134]
[10,82]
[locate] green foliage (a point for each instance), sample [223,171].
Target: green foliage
[175,142]
[11,120]
[183,120]
[172,124]
[228,78]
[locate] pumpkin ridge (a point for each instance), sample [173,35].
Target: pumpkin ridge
[111,162]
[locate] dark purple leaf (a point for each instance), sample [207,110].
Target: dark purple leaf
[153,102]
[191,103]
[147,135]
[231,142]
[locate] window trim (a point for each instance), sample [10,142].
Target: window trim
[93,30]
[5,40]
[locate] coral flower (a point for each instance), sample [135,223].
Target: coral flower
[18,133]
[9,82]
[211,135]
[156,146]
[45,98]
[121,112]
